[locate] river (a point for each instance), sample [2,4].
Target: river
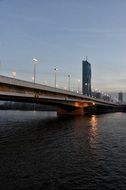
[39,150]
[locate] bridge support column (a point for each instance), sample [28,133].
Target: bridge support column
[65,112]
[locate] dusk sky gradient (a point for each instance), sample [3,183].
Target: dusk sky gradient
[61,33]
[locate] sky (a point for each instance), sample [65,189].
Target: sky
[60,34]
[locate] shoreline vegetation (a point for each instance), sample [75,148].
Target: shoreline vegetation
[25,106]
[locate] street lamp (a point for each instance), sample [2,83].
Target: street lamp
[55,69]
[69,82]
[34,77]
[78,85]
[34,65]
[14,74]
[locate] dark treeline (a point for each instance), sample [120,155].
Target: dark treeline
[25,106]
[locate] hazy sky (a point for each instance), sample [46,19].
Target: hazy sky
[60,33]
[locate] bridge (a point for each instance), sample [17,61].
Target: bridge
[67,102]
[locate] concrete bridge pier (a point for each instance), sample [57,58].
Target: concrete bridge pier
[66,112]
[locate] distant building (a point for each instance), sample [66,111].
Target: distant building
[106,98]
[120,96]
[97,95]
[86,78]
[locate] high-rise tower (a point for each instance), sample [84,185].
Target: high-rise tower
[120,96]
[86,78]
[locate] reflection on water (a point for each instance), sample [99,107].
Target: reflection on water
[39,150]
[93,122]
[93,131]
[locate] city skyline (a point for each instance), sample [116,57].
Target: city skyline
[61,35]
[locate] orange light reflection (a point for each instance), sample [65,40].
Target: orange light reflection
[93,132]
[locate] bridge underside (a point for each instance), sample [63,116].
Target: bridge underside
[64,107]
[75,111]
[67,103]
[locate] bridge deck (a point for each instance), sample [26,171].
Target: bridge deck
[43,91]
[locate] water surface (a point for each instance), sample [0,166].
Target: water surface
[39,150]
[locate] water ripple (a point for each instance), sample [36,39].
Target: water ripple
[42,151]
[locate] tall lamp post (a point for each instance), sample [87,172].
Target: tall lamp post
[78,85]
[34,66]
[34,77]
[55,69]
[69,82]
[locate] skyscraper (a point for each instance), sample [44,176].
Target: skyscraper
[86,78]
[120,96]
